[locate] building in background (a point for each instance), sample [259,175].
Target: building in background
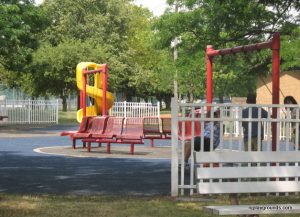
[289,85]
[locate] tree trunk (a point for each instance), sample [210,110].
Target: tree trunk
[168,102]
[191,97]
[159,98]
[64,102]
[221,99]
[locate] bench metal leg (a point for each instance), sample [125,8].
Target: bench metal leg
[108,148]
[152,143]
[89,146]
[84,145]
[74,143]
[131,148]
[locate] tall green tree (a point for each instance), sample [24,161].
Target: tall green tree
[224,24]
[79,31]
[290,51]
[20,22]
[111,31]
[150,67]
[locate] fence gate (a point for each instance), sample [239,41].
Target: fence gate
[29,111]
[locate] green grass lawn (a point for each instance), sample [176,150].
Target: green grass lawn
[165,112]
[115,206]
[68,117]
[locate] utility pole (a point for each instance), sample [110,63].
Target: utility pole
[175,58]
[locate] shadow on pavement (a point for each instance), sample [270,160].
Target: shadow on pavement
[60,175]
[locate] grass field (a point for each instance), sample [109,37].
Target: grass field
[115,206]
[68,117]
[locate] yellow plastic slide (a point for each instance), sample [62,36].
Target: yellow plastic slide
[92,91]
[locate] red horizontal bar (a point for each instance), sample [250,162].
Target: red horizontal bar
[239,49]
[92,71]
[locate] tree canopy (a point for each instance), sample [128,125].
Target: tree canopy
[41,45]
[20,22]
[226,24]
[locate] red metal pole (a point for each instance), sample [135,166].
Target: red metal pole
[104,89]
[239,49]
[84,93]
[93,71]
[275,83]
[131,148]
[81,100]
[209,74]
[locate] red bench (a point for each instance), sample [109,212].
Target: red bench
[132,133]
[166,127]
[116,131]
[112,128]
[97,125]
[152,129]
[83,127]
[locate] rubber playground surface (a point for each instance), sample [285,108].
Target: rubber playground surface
[38,161]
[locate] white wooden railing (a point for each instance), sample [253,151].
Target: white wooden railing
[186,116]
[233,128]
[135,109]
[29,111]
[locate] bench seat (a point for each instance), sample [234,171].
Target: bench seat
[116,131]
[2,117]
[253,209]
[234,172]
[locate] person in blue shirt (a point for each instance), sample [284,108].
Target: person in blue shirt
[292,113]
[207,136]
[251,99]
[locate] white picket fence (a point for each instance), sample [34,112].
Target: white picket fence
[72,104]
[188,120]
[135,109]
[29,111]
[234,129]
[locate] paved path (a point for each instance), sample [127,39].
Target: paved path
[24,171]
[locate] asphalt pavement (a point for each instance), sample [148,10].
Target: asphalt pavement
[24,171]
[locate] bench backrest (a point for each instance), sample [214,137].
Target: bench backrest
[151,126]
[166,126]
[133,128]
[98,125]
[247,172]
[114,126]
[85,124]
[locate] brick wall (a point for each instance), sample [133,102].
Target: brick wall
[289,85]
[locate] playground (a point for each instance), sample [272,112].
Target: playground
[108,109]
[145,155]
[40,184]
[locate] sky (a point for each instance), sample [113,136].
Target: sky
[156,6]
